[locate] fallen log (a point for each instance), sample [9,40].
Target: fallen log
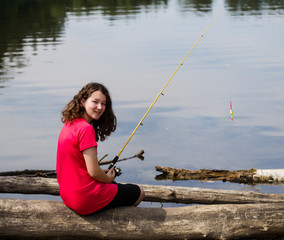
[251,176]
[34,219]
[30,173]
[187,195]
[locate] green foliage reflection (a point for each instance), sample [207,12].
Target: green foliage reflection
[42,22]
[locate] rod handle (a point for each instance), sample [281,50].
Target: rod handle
[113,162]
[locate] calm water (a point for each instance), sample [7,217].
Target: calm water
[50,49]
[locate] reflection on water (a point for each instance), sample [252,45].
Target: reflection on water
[195,6]
[254,7]
[34,23]
[49,49]
[27,24]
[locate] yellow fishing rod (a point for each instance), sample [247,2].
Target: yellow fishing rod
[118,171]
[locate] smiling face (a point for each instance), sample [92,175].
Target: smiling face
[95,106]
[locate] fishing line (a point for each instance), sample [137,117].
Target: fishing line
[160,93]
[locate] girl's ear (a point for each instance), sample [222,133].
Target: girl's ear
[83,102]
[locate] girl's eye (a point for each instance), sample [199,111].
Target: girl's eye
[96,102]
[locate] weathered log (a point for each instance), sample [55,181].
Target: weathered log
[30,173]
[251,176]
[34,219]
[187,195]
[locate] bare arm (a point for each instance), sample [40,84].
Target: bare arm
[93,167]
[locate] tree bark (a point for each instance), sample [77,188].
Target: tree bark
[36,219]
[251,176]
[38,185]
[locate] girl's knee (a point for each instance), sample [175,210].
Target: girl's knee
[142,193]
[141,197]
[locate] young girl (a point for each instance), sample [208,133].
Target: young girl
[83,185]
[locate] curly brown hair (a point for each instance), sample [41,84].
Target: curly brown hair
[73,110]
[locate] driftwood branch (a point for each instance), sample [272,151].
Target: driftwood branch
[52,173]
[137,155]
[38,185]
[34,219]
[251,176]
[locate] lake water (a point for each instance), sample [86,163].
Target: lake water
[50,49]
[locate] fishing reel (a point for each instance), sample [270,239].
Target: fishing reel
[117,171]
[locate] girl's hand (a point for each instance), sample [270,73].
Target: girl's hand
[110,173]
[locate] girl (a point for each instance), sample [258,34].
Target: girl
[83,185]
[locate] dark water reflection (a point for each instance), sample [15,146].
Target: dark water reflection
[254,7]
[34,23]
[49,49]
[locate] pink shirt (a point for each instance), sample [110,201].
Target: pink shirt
[78,189]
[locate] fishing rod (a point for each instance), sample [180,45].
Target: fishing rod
[112,165]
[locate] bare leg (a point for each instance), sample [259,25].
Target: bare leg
[142,195]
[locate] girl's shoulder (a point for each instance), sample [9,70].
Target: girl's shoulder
[78,125]
[81,122]
[81,125]
[77,122]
